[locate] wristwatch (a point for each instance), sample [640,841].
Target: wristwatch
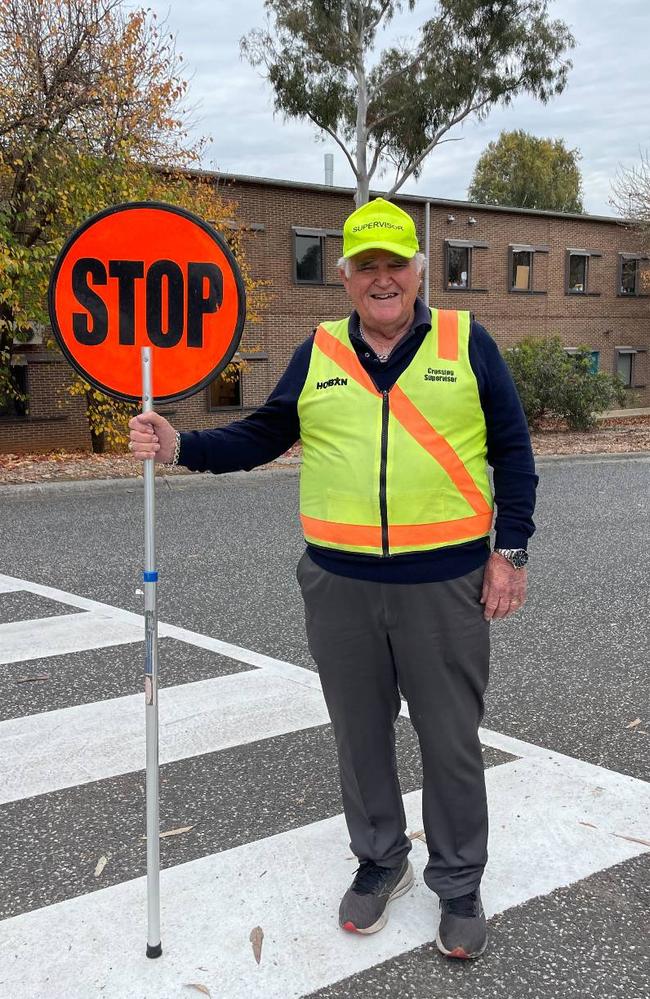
[517,557]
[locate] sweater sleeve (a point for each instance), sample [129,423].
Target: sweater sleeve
[258,438]
[509,450]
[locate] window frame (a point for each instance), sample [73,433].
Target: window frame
[525,248]
[633,353]
[594,354]
[14,414]
[579,252]
[321,235]
[226,409]
[462,244]
[638,258]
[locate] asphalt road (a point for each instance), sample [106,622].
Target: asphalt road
[569,672]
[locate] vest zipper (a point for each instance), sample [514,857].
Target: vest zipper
[383,507]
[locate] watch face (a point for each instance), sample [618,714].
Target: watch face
[519,558]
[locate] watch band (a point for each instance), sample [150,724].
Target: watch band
[517,557]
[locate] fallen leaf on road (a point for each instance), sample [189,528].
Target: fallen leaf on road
[101,864]
[173,832]
[203,989]
[590,824]
[176,832]
[633,724]
[256,937]
[32,679]
[632,839]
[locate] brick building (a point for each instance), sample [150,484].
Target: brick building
[521,272]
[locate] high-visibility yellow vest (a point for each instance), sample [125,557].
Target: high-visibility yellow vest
[397,471]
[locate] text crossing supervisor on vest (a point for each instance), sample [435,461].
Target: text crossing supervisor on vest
[400,410]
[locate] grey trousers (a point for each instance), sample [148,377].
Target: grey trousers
[430,641]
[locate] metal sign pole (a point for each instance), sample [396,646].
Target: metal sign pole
[154,946]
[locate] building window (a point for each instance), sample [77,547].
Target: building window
[309,254]
[521,269]
[578,271]
[459,264]
[12,408]
[225,392]
[581,275]
[521,274]
[633,274]
[592,355]
[315,255]
[627,359]
[629,277]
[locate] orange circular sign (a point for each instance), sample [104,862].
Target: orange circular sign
[147,274]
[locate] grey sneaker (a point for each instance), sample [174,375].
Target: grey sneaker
[363,907]
[463,929]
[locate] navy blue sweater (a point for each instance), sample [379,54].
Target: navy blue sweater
[274,427]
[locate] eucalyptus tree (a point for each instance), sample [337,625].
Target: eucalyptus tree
[389,108]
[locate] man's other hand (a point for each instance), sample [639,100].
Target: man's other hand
[152,436]
[504,588]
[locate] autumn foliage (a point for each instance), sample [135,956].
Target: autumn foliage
[93,113]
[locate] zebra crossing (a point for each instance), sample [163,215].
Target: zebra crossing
[247,846]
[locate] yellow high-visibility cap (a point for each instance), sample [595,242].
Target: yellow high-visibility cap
[380,225]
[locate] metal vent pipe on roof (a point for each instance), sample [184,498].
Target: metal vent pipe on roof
[329,169]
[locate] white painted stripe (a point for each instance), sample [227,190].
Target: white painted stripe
[88,742]
[10,585]
[54,594]
[278,666]
[290,885]
[53,636]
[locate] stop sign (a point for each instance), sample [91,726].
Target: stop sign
[147,275]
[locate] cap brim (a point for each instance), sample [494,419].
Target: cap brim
[396,248]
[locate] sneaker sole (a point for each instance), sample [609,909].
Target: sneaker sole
[459,952]
[400,888]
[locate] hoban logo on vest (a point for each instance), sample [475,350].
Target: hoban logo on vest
[331,382]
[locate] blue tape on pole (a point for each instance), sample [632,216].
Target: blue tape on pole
[150,577]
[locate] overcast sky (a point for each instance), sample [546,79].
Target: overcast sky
[604,110]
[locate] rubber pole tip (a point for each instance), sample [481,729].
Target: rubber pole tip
[154,950]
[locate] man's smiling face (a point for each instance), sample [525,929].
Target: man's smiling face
[382,287]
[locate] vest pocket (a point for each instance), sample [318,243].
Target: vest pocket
[425,506]
[352,508]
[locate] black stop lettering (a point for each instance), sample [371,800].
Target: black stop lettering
[175,303]
[198,303]
[83,269]
[126,272]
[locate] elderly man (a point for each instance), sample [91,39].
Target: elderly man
[399,409]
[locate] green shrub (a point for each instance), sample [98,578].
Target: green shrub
[551,382]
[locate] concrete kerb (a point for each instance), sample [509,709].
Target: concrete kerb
[136,484]
[289,468]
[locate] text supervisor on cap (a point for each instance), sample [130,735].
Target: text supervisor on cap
[400,410]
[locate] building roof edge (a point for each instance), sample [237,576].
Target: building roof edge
[225,176]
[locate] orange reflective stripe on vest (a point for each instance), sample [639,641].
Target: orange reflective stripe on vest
[366,536]
[345,358]
[428,437]
[447,334]
[410,417]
